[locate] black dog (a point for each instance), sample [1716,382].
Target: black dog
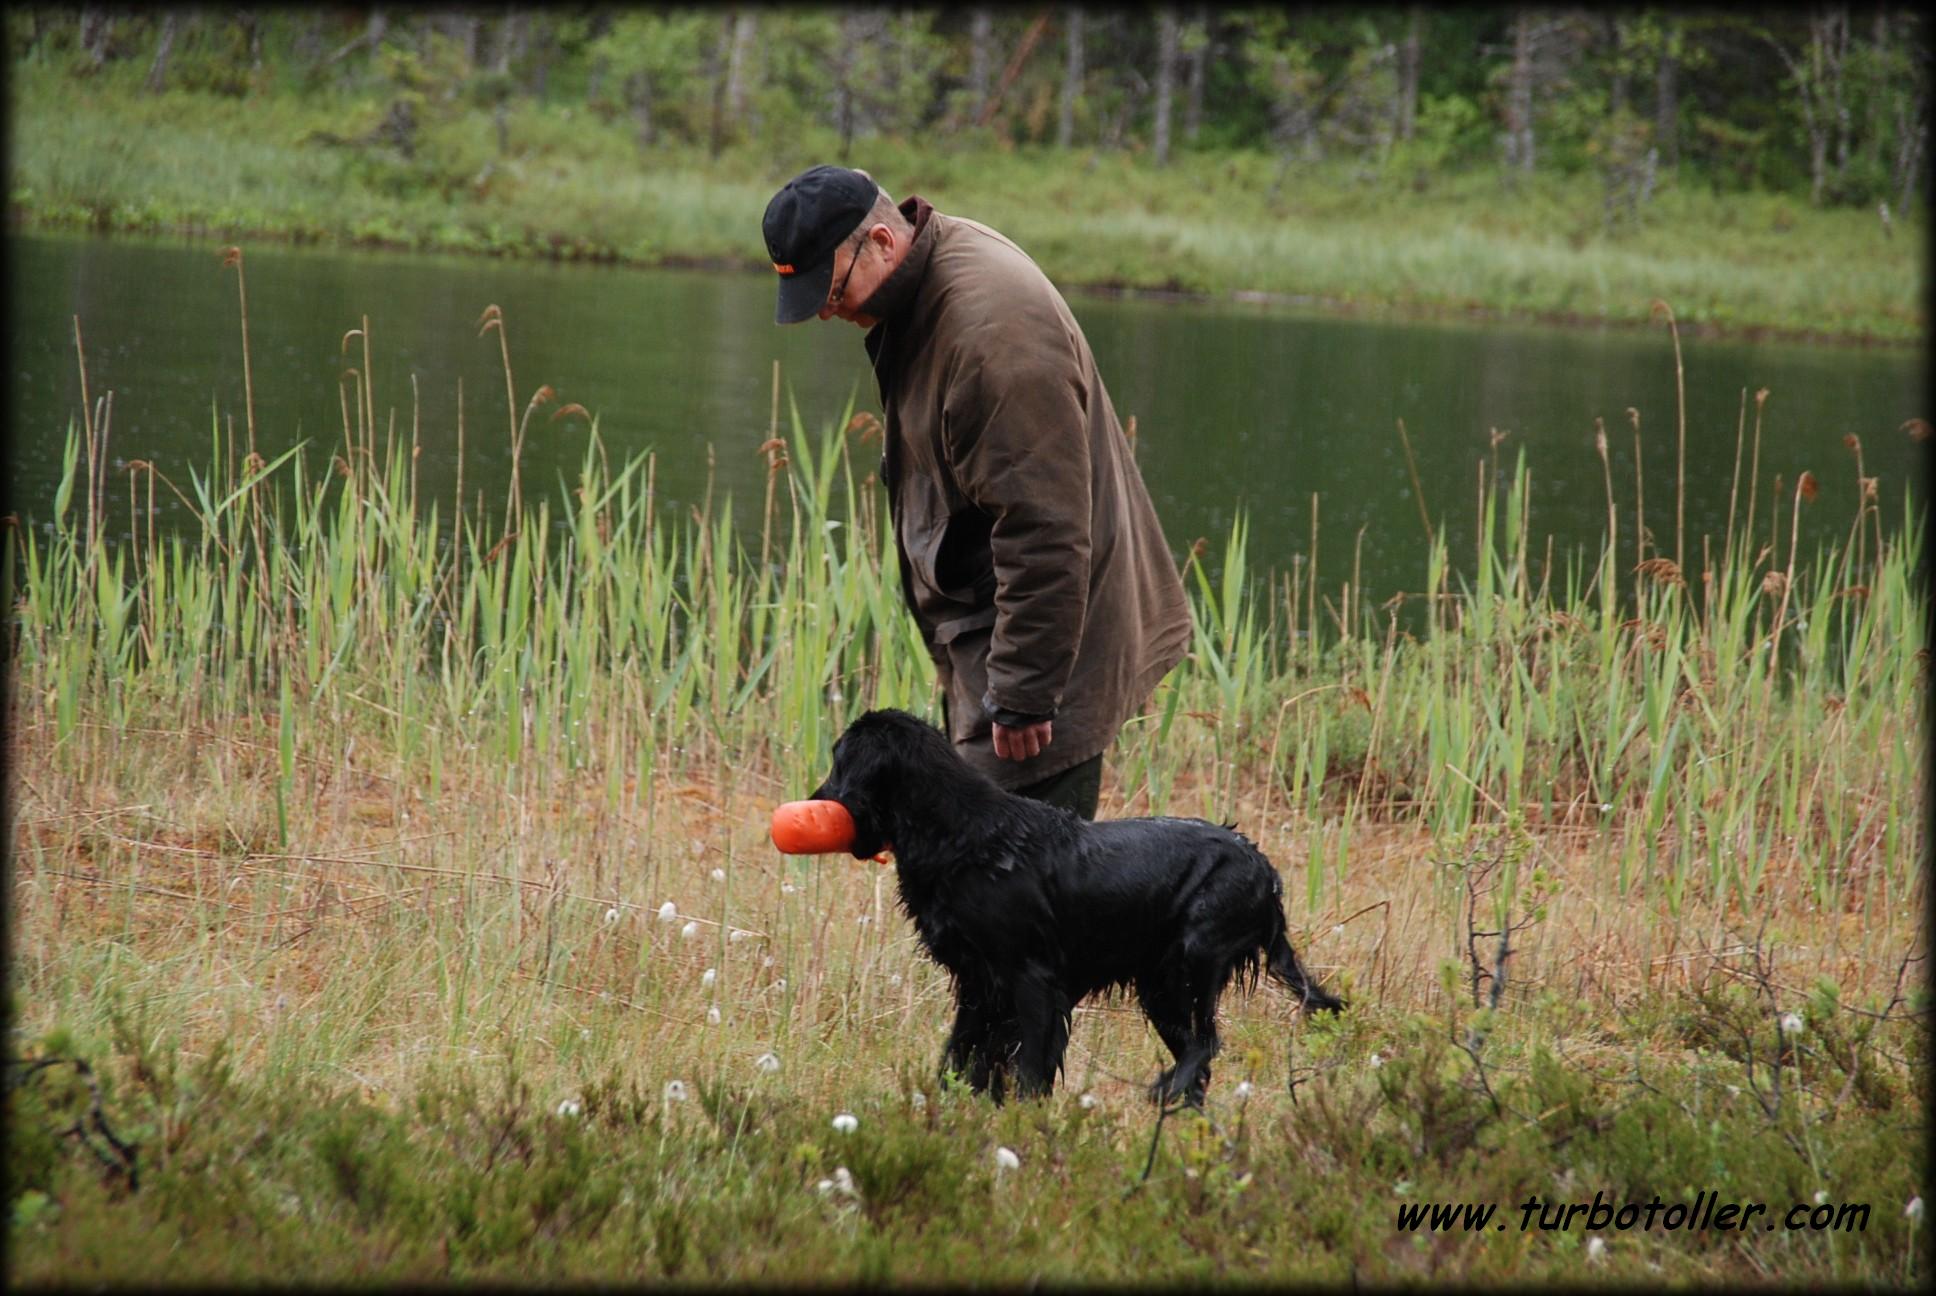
[1031,908]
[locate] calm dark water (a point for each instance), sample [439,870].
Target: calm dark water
[1236,407]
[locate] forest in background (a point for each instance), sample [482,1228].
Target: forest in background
[1829,102]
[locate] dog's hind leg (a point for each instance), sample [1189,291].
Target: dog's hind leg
[1165,997]
[1192,1079]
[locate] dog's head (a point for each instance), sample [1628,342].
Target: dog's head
[883,763]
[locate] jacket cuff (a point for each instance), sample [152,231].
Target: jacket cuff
[1008,719]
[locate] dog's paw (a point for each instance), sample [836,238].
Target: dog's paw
[1173,1091]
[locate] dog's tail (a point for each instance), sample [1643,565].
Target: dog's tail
[1281,959]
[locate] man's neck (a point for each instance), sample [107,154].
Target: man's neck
[897,290]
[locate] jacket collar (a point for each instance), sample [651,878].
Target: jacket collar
[897,292]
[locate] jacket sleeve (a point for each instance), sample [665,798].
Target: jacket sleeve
[1016,430]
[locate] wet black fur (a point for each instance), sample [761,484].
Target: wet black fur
[1031,908]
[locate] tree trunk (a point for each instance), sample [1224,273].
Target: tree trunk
[1912,133]
[1667,98]
[1813,94]
[745,28]
[981,55]
[373,33]
[1165,79]
[1805,71]
[96,26]
[1818,82]
[638,92]
[844,83]
[379,28]
[1023,48]
[158,74]
[1835,25]
[1198,64]
[1408,57]
[252,29]
[722,62]
[1135,87]
[1519,96]
[511,38]
[1065,129]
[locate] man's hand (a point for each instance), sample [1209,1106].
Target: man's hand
[1023,743]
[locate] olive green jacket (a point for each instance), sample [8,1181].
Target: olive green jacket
[1029,550]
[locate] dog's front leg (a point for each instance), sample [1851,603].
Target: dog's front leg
[1042,1012]
[978,1048]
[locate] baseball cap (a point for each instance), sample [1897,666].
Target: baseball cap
[805,224]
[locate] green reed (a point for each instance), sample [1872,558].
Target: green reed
[1701,716]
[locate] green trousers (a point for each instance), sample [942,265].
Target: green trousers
[1077,788]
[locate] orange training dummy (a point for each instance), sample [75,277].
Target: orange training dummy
[812,827]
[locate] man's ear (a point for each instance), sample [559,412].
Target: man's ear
[883,235]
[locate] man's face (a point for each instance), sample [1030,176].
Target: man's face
[861,265]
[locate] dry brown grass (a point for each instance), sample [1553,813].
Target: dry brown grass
[400,931]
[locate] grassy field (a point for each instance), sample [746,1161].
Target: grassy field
[390,898]
[101,155]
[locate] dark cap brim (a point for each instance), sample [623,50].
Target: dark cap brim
[803,294]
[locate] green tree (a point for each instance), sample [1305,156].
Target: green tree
[656,58]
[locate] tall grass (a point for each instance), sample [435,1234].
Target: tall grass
[560,642]
[1750,744]
[372,791]
[586,632]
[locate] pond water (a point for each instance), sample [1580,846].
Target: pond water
[1237,407]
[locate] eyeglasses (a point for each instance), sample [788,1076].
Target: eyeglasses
[840,292]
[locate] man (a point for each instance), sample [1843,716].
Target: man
[1029,551]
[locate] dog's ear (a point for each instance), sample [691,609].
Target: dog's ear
[866,780]
[871,768]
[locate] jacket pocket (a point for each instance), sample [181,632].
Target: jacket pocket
[950,554]
[964,560]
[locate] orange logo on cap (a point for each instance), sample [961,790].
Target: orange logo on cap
[783,269]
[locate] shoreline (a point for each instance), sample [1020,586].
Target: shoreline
[562,252]
[1427,312]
